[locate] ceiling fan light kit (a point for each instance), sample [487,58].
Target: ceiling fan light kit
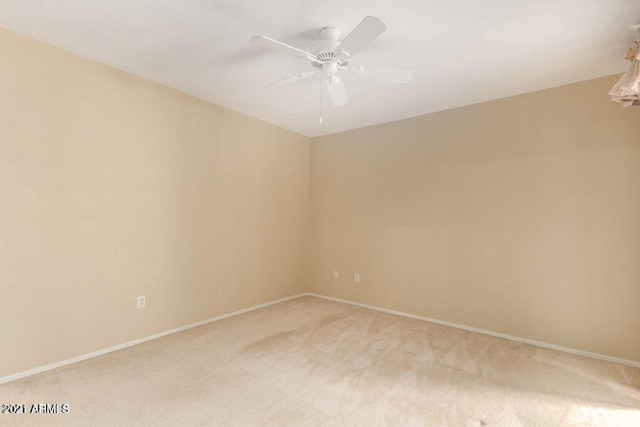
[330,57]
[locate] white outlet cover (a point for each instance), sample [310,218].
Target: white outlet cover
[335,274]
[356,277]
[141,302]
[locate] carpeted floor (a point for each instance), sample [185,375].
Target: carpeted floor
[312,362]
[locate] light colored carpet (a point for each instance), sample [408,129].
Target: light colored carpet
[311,362]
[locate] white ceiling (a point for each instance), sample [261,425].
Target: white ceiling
[463,51]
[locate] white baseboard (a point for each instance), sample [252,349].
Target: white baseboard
[55,365]
[485,332]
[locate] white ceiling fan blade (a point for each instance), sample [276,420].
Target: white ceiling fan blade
[292,79]
[392,75]
[337,91]
[361,36]
[270,43]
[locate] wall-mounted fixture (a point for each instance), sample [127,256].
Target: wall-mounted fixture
[627,89]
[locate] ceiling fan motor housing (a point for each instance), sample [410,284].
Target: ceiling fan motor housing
[324,50]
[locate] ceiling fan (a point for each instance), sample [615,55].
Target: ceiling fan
[330,57]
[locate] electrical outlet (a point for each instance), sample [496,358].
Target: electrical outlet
[335,274]
[356,277]
[141,302]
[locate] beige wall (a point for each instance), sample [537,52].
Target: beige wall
[113,187]
[520,216]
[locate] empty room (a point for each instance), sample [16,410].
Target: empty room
[338,213]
